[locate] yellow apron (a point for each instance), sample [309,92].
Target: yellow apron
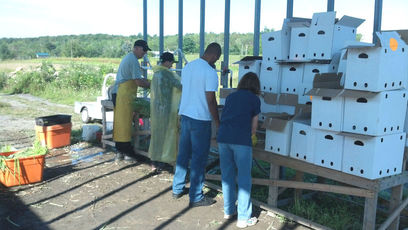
[123,112]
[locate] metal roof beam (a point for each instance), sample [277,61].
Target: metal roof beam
[289,9]
[257,27]
[330,5]
[180,34]
[202,26]
[377,18]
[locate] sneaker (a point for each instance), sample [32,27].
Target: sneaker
[247,223]
[129,159]
[119,156]
[229,217]
[177,196]
[206,201]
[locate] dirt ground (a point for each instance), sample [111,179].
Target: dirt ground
[83,188]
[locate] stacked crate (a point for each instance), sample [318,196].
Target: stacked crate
[361,126]
[291,59]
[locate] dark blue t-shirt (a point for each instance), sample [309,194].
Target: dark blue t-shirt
[236,119]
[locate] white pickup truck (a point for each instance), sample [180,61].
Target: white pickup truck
[93,110]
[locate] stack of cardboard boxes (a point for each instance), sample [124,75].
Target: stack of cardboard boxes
[356,124]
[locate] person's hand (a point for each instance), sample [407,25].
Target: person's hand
[254,140]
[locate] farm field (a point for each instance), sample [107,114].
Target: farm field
[79,79]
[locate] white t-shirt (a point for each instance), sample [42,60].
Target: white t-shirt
[197,77]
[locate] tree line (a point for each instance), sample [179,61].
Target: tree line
[111,46]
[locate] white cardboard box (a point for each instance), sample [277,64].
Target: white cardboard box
[374,114]
[328,149]
[327,37]
[380,67]
[373,157]
[270,77]
[292,76]
[249,64]
[311,69]
[275,45]
[327,109]
[279,103]
[327,102]
[278,133]
[268,104]
[302,144]
[299,40]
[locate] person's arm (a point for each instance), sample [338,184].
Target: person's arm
[254,124]
[142,82]
[212,106]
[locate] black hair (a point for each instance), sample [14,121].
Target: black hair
[213,48]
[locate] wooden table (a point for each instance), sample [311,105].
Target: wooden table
[352,185]
[107,139]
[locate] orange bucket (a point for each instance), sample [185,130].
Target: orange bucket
[31,170]
[54,136]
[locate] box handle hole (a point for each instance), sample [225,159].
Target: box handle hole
[363,55]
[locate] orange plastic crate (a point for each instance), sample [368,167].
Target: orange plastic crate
[31,170]
[54,136]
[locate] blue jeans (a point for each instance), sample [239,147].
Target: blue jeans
[236,162]
[194,145]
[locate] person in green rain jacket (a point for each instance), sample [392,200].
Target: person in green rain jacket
[164,102]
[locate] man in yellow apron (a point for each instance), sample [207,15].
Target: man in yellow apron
[128,78]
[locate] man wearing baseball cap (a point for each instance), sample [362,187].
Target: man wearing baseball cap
[128,79]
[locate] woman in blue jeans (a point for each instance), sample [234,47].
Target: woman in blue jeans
[238,125]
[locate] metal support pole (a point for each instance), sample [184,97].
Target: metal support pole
[161,17]
[145,20]
[144,63]
[330,5]
[377,18]
[202,26]
[289,9]
[225,63]
[180,34]
[257,27]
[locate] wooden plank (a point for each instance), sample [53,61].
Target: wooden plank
[370,209]
[109,136]
[110,143]
[146,154]
[273,190]
[393,215]
[298,192]
[393,181]
[290,216]
[103,125]
[277,211]
[396,197]
[305,185]
[315,169]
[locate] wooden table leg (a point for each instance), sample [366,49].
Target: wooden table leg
[298,192]
[395,201]
[273,190]
[370,210]
[103,126]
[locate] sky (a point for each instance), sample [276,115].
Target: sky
[34,18]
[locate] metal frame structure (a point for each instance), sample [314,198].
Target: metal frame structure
[225,64]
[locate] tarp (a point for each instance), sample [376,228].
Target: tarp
[165,93]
